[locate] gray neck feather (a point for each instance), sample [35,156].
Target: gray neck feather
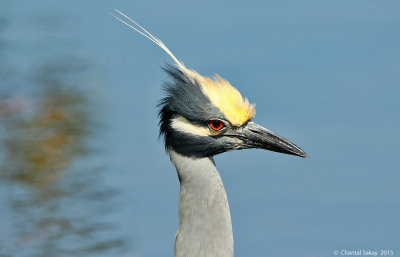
[205,228]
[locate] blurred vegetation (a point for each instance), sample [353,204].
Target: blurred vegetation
[42,141]
[55,201]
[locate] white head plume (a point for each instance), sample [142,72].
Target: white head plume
[135,26]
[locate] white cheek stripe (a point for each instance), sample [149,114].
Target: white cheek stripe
[184,125]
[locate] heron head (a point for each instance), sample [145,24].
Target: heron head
[202,117]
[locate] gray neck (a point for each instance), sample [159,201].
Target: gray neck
[205,227]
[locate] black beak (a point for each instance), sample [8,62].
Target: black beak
[255,136]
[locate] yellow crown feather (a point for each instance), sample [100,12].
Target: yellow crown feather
[225,97]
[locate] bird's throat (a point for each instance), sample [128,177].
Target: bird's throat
[205,227]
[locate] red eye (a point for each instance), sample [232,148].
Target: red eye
[216,125]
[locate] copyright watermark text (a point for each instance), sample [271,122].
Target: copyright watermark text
[363,252]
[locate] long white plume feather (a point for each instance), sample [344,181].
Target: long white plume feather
[135,26]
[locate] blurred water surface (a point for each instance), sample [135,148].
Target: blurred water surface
[54,201]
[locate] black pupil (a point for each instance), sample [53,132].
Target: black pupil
[216,123]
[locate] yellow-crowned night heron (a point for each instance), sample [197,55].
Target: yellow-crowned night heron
[199,118]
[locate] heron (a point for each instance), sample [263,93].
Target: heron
[201,117]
